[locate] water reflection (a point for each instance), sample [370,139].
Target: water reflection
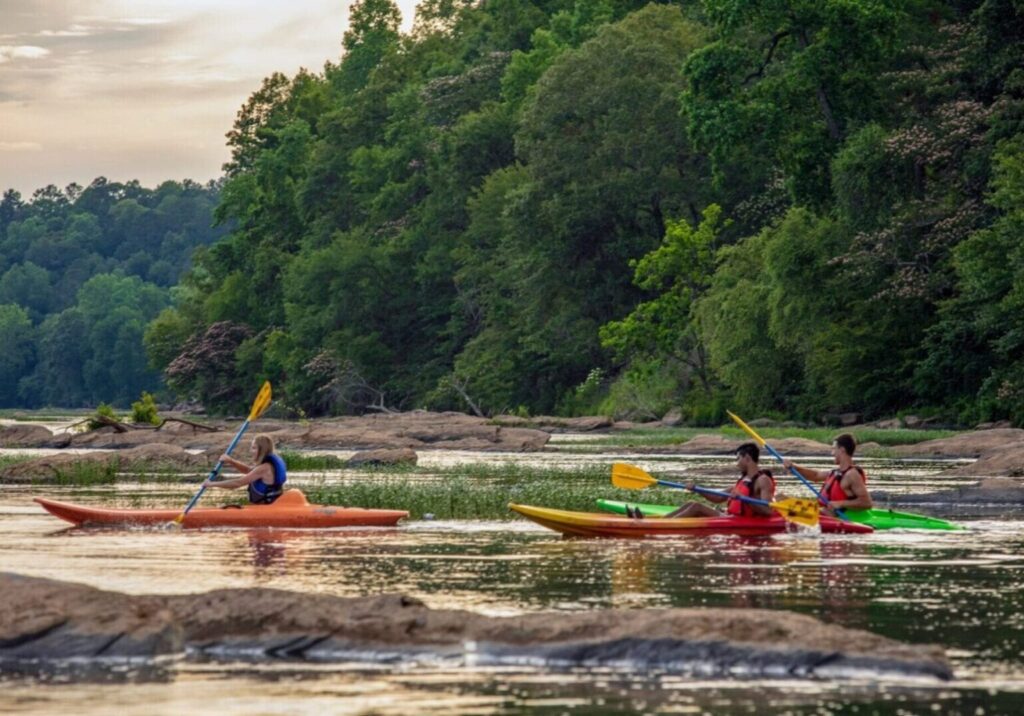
[963,590]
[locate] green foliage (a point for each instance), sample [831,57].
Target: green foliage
[102,411]
[645,391]
[522,205]
[89,266]
[16,357]
[144,410]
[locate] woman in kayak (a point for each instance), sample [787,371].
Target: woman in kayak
[265,478]
[844,487]
[754,482]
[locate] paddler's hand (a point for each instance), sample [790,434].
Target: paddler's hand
[226,458]
[788,464]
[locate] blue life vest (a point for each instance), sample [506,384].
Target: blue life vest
[262,493]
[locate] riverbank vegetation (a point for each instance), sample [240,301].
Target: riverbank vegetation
[619,207]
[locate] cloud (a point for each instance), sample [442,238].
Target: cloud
[145,89]
[21,52]
[72,31]
[21,147]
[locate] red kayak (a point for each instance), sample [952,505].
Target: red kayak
[289,510]
[600,524]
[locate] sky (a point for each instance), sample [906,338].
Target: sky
[144,89]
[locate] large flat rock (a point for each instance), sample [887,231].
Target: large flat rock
[144,458]
[46,621]
[972,444]
[418,430]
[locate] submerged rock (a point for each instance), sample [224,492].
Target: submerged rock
[48,621]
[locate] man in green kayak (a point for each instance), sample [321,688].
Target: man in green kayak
[753,482]
[845,486]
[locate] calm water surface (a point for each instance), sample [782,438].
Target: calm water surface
[964,590]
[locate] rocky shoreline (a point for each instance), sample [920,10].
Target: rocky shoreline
[48,622]
[396,438]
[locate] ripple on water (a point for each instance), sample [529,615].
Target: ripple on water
[964,590]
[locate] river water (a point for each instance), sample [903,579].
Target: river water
[964,590]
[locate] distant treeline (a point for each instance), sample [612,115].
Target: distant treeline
[82,272]
[608,205]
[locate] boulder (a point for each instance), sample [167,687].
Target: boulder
[25,435]
[45,620]
[890,424]
[999,462]
[994,426]
[145,458]
[719,445]
[972,444]
[672,418]
[848,419]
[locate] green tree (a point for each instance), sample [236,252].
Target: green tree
[17,357]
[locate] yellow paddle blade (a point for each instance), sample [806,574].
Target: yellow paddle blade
[799,510]
[261,403]
[631,477]
[749,430]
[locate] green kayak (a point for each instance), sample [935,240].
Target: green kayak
[879,519]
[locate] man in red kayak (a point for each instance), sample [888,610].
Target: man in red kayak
[753,482]
[845,486]
[265,478]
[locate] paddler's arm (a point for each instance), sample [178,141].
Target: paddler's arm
[808,473]
[253,475]
[763,491]
[709,498]
[237,464]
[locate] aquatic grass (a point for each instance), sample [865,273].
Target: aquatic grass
[8,460]
[109,473]
[484,497]
[306,462]
[89,473]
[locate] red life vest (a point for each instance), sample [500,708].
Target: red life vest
[833,490]
[745,486]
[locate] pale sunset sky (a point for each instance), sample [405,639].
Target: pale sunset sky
[144,89]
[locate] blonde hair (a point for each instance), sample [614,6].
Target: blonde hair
[264,446]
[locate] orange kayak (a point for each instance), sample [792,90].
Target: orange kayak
[600,524]
[289,510]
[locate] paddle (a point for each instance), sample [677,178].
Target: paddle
[760,441]
[259,406]
[794,509]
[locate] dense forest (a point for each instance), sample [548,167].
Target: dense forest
[791,207]
[82,272]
